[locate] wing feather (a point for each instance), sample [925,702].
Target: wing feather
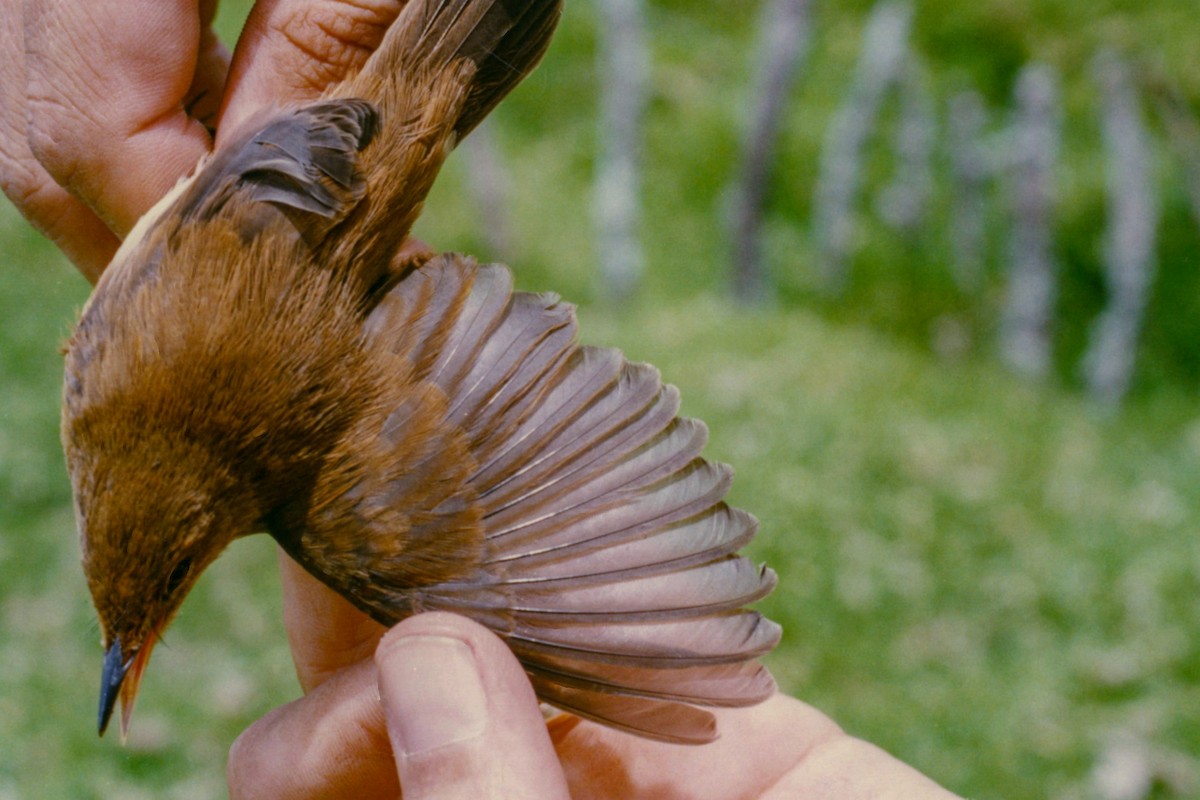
[609,558]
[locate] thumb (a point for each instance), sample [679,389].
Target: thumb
[462,718]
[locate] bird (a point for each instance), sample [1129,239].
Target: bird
[264,355]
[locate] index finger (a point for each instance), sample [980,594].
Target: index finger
[292,50]
[325,631]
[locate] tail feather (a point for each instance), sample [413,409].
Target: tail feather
[440,69]
[502,39]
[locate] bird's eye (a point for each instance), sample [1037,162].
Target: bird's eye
[178,574]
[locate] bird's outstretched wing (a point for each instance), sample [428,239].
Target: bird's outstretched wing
[608,562]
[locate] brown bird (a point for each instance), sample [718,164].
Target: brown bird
[258,357]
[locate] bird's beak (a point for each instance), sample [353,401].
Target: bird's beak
[121,676]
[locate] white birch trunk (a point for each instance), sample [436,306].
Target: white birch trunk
[623,66]
[1025,326]
[1129,248]
[840,171]
[783,43]
[490,186]
[904,202]
[970,169]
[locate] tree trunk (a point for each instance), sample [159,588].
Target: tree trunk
[489,184]
[1025,335]
[623,64]
[970,171]
[840,171]
[1131,237]
[904,202]
[783,43]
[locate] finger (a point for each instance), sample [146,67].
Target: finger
[330,743]
[292,50]
[52,210]
[463,720]
[72,226]
[849,767]
[203,101]
[756,747]
[325,631]
[107,86]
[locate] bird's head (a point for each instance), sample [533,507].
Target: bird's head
[149,525]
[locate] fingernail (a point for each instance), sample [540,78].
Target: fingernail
[432,685]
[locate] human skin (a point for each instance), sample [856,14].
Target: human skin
[350,668]
[103,107]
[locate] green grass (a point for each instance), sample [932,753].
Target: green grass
[987,579]
[224,663]
[990,579]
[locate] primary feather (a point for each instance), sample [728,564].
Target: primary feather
[606,559]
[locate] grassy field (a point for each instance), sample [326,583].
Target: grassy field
[992,580]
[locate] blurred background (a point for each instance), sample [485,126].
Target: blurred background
[927,269]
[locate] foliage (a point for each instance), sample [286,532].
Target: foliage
[702,66]
[986,579]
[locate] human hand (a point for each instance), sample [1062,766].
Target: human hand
[104,106]
[445,710]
